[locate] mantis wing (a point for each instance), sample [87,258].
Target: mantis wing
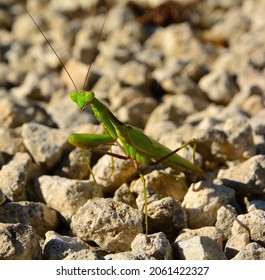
[156,151]
[145,144]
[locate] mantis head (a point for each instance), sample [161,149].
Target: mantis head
[82,99]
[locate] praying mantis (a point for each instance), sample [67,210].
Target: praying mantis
[136,146]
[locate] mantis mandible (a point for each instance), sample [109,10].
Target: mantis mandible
[135,145]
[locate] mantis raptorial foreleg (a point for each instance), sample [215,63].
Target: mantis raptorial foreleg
[96,187]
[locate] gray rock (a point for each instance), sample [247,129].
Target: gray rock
[123,194]
[252,48]
[252,224]
[109,68]
[202,202]
[253,251]
[223,4]
[252,86]
[58,247]
[225,140]
[198,248]
[2,159]
[13,177]
[186,88]
[167,111]
[108,88]
[46,145]
[2,198]
[225,218]
[219,86]
[166,215]
[37,86]
[112,225]
[157,128]
[3,68]
[177,39]
[151,57]
[19,242]
[157,246]
[64,195]
[111,172]
[239,135]
[29,31]
[15,112]
[230,27]
[252,105]
[36,214]
[123,43]
[258,8]
[118,17]
[159,184]
[88,5]
[6,20]
[212,232]
[247,177]
[134,74]
[167,182]
[84,51]
[235,244]
[137,188]
[74,166]
[11,141]
[142,106]
[87,34]
[257,123]
[256,205]
[84,254]
[128,256]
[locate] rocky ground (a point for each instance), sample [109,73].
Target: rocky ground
[178,70]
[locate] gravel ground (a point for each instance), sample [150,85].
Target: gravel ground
[177,70]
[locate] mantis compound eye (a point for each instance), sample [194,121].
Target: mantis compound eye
[89,95]
[73,96]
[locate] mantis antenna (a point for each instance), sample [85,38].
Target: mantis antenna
[60,60]
[46,39]
[94,52]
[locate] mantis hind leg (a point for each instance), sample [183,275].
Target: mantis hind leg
[192,142]
[188,143]
[145,204]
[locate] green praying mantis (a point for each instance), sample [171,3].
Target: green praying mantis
[136,146]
